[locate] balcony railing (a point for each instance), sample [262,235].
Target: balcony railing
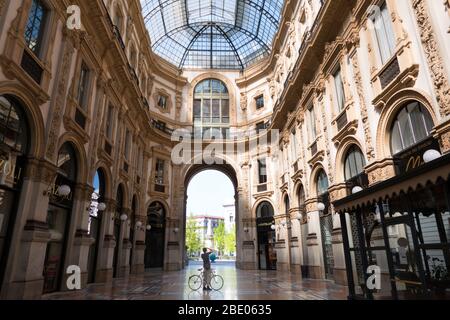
[314,148]
[391,71]
[342,121]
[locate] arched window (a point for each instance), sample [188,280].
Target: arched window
[13,151]
[322,183]
[412,125]
[286,204]
[265,210]
[301,197]
[354,163]
[211,109]
[13,127]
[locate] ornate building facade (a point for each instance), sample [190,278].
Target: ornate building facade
[358,90]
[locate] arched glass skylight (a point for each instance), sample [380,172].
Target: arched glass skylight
[212,34]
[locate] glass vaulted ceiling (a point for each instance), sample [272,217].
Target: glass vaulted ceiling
[212,34]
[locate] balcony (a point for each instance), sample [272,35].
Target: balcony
[389,73]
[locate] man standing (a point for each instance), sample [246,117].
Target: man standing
[206,268]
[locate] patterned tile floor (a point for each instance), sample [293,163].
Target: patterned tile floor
[239,285]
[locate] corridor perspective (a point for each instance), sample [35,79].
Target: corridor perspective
[300,147]
[238,285]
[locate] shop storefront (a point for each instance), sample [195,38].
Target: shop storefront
[61,197]
[399,229]
[14,140]
[265,223]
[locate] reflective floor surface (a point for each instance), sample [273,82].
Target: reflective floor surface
[239,285]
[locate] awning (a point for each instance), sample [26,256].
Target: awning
[431,172]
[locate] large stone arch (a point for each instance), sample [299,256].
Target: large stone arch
[257,204]
[160,200]
[341,153]
[392,107]
[34,116]
[297,186]
[101,165]
[231,92]
[82,162]
[313,177]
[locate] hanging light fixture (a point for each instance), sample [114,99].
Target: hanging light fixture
[138,224]
[101,206]
[356,189]
[272,227]
[320,206]
[431,155]
[123,217]
[63,190]
[148,227]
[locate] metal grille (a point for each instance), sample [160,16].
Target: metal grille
[358,259]
[326,227]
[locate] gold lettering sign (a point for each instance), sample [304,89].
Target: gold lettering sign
[414,162]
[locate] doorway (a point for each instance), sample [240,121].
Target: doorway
[267,257]
[210,213]
[155,237]
[95,211]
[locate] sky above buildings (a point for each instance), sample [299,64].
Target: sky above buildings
[207,192]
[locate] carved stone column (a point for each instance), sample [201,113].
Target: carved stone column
[104,272]
[24,272]
[433,54]
[315,254]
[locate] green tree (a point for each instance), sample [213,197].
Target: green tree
[193,241]
[230,242]
[219,237]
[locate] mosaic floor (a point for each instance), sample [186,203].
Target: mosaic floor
[239,285]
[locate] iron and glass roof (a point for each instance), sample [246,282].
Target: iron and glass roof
[212,34]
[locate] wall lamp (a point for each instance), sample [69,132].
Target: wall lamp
[62,191]
[320,206]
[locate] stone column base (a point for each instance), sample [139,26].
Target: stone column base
[340,276]
[105,275]
[123,272]
[282,266]
[296,268]
[315,272]
[137,269]
[172,266]
[24,290]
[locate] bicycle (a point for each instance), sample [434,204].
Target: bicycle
[195,281]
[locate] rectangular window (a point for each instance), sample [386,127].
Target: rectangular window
[83,87]
[260,126]
[262,171]
[127,150]
[294,145]
[384,33]
[339,87]
[312,123]
[159,175]
[162,102]
[109,123]
[34,29]
[259,102]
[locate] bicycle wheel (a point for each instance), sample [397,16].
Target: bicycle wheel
[195,282]
[216,282]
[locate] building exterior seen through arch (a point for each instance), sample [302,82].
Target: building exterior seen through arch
[331,118]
